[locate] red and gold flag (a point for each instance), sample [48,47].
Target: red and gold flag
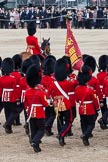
[71,48]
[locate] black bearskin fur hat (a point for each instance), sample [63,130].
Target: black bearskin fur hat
[0,61]
[103,62]
[84,56]
[51,56]
[85,75]
[7,66]
[35,60]
[17,61]
[33,75]
[49,66]
[31,28]
[60,70]
[25,65]
[91,62]
[68,64]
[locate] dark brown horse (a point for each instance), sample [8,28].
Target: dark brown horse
[45,46]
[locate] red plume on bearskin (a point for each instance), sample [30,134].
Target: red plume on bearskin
[72,49]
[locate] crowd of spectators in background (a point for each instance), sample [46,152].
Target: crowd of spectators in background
[54,17]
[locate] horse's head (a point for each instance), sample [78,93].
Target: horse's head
[45,46]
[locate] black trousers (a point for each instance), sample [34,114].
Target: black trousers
[87,124]
[105,117]
[1,105]
[37,127]
[49,116]
[64,122]
[10,110]
[104,107]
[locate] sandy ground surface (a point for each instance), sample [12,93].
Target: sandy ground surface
[15,147]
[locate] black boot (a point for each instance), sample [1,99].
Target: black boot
[36,147]
[26,126]
[8,129]
[48,131]
[85,141]
[102,124]
[61,141]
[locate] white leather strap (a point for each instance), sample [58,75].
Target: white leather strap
[61,90]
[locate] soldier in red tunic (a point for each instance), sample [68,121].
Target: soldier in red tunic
[88,104]
[47,79]
[17,74]
[32,41]
[59,90]
[8,84]
[23,86]
[35,101]
[94,82]
[1,106]
[72,78]
[102,74]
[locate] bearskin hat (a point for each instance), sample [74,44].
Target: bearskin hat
[35,60]
[85,75]
[61,70]
[49,66]
[68,64]
[33,75]
[7,66]
[17,61]
[84,56]
[0,61]
[103,62]
[25,65]
[50,56]
[91,62]
[31,28]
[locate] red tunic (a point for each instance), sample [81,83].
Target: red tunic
[35,98]
[47,80]
[73,79]
[94,82]
[90,102]
[33,41]
[101,76]
[72,76]
[105,87]
[61,102]
[23,87]
[8,86]
[17,75]
[0,90]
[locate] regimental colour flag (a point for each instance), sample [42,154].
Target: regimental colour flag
[72,49]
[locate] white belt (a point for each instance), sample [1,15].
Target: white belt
[8,90]
[71,93]
[32,107]
[101,86]
[36,105]
[5,90]
[23,96]
[86,102]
